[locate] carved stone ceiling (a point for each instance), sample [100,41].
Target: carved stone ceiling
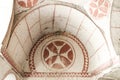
[62,38]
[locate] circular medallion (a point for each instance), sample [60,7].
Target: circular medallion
[98,8]
[58,54]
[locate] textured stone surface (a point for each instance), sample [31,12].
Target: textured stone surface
[115,25]
[112,75]
[64,39]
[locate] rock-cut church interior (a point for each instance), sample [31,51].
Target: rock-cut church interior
[62,40]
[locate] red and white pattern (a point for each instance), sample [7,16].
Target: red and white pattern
[27,3]
[61,53]
[99,8]
[58,54]
[57,74]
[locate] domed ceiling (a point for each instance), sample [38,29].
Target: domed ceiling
[62,38]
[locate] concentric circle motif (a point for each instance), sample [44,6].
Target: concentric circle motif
[28,3]
[58,54]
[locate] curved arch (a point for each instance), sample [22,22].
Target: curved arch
[23,32]
[84,51]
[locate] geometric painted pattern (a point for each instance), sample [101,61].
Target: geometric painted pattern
[59,55]
[28,3]
[99,8]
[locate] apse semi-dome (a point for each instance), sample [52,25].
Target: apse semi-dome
[52,39]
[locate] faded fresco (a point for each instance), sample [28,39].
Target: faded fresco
[64,40]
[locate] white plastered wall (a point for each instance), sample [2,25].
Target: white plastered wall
[40,21]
